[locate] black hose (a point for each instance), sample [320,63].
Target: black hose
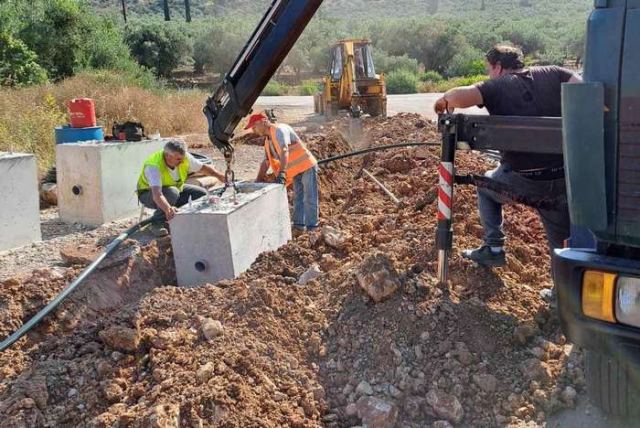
[375,149]
[71,287]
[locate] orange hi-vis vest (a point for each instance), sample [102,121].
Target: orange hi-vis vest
[300,159]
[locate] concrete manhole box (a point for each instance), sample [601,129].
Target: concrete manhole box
[216,241]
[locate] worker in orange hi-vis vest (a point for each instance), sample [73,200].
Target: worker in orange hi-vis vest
[292,164]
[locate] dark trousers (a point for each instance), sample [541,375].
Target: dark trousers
[175,197]
[556,221]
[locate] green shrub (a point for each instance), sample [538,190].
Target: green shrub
[275,88]
[386,63]
[216,47]
[469,62]
[551,57]
[445,85]
[402,82]
[158,46]
[18,66]
[432,76]
[310,87]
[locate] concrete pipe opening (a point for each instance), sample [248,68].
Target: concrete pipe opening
[201,266]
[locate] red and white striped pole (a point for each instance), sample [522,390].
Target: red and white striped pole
[446,171]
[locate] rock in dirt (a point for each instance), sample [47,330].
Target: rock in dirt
[378,278]
[312,273]
[205,372]
[523,333]
[568,395]
[377,413]
[445,406]
[121,338]
[49,193]
[534,369]
[334,237]
[486,382]
[400,164]
[78,254]
[164,416]
[442,424]
[212,329]
[112,392]
[364,388]
[33,387]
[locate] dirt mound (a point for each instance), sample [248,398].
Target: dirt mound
[265,351]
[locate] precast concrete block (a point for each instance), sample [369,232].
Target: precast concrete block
[20,208]
[97,181]
[220,240]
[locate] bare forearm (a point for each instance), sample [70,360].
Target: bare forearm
[159,199]
[261,172]
[284,160]
[462,97]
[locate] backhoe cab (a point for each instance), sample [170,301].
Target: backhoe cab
[352,83]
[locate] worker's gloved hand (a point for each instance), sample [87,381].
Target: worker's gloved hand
[281,178]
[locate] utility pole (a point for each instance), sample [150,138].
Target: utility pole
[167,15]
[187,10]
[124,10]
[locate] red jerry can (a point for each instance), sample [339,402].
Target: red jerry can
[82,112]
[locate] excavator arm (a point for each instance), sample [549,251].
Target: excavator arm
[269,45]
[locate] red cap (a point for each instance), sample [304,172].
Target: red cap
[255,118]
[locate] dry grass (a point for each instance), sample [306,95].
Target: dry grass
[28,116]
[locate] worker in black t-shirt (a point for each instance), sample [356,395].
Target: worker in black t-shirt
[514,90]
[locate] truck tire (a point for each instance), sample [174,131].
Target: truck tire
[612,385]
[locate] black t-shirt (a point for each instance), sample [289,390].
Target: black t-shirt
[533,92]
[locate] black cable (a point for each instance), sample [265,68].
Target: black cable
[375,149]
[71,287]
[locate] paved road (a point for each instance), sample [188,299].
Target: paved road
[413,103]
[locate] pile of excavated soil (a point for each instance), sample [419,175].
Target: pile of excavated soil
[341,327]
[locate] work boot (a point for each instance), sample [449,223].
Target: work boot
[297,231]
[485,256]
[159,230]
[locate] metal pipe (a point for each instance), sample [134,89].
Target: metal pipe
[384,189]
[72,287]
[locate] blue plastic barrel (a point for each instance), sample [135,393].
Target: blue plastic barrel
[67,134]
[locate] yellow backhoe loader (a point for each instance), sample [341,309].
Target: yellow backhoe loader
[352,83]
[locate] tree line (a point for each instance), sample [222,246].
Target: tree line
[47,40]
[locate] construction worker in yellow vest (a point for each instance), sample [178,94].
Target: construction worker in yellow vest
[292,164]
[161,185]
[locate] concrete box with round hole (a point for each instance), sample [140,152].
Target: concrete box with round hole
[20,209]
[97,181]
[212,242]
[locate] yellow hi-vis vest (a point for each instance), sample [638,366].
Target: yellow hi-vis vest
[299,160]
[157,160]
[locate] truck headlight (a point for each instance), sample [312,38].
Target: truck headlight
[597,295]
[628,301]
